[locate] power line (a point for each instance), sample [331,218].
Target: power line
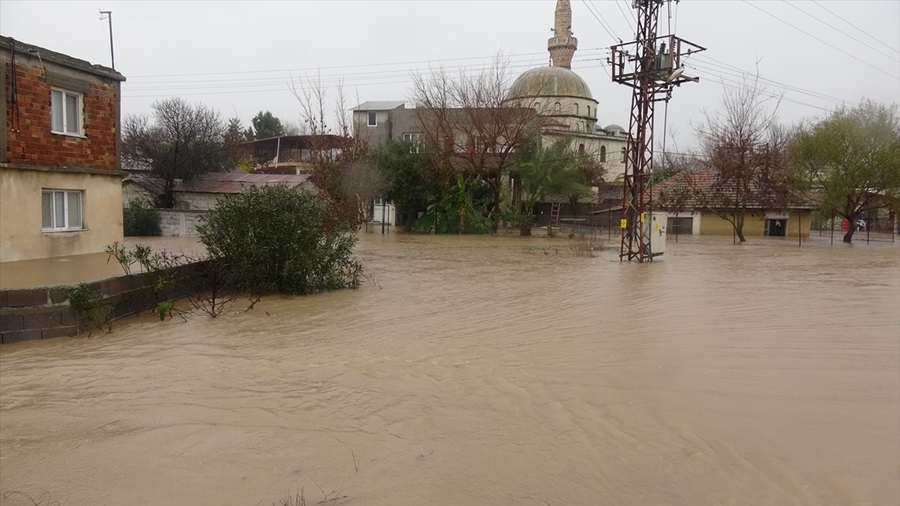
[822,41]
[599,20]
[826,9]
[843,32]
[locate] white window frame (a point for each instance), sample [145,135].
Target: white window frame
[372,119]
[415,142]
[72,219]
[70,126]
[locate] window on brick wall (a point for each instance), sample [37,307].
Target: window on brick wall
[62,210]
[65,112]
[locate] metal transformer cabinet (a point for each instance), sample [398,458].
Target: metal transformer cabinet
[655,228]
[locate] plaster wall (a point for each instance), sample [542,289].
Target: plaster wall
[21,237]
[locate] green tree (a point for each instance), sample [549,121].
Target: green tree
[276,238]
[851,160]
[265,125]
[182,142]
[140,221]
[552,171]
[408,186]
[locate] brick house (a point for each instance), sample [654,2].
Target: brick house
[60,154]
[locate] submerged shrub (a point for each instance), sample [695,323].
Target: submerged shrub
[277,238]
[140,221]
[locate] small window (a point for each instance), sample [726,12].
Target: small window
[415,142]
[602,153]
[624,155]
[589,111]
[373,118]
[576,109]
[65,112]
[557,107]
[62,210]
[537,106]
[581,148]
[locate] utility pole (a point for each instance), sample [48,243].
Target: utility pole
[652,66]
[112,54]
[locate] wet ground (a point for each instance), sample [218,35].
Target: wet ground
[479,370]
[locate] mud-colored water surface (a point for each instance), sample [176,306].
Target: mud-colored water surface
[478,370]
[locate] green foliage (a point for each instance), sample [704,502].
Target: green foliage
[140,220]
[551,171]
[851,160]
[276,238]
[265,125]
[163,309]
[91,307]
[456,212]
[408,186]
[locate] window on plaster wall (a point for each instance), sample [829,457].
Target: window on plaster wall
[373,118]
[602,153]
[576,109]
[62,210]
[557,107]
[415,142]
[589,111]
[65,112]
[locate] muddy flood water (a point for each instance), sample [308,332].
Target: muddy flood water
[479,370]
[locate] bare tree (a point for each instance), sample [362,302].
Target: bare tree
[469,128]
[744,151]
[181,142]
[339,161]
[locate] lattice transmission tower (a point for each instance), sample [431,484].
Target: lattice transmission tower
[652,66]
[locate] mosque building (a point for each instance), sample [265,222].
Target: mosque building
[566,101]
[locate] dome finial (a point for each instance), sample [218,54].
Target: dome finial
[563,45]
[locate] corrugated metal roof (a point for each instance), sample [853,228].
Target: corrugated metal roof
[379,105]
[234,182]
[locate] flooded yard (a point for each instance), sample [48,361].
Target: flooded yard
[480,370]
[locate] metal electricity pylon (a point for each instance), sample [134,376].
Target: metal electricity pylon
[652,66]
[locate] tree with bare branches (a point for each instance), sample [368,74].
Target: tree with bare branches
[340,166]
[468,128]
[743,149]
[182,141]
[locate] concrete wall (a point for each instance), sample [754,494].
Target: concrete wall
[21,235]
[43,313]
[180,223]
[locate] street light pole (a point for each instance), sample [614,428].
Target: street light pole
[112,54]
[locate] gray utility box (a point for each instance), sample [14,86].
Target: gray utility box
[655,227]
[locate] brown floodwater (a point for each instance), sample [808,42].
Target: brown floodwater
[479,370]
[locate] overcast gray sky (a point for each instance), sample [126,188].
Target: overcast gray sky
[239,57]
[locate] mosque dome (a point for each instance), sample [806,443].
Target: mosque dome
[549,82]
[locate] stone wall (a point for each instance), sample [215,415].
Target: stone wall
[46,312]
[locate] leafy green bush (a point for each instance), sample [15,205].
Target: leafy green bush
[276,238]
[141,221]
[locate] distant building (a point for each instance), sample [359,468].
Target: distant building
[556,93]
[693,207]
[562,96]
[60,154]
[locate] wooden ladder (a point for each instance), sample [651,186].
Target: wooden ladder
[554,218]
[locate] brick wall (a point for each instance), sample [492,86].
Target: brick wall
[34,144]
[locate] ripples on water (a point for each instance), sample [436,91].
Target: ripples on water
[489,370]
